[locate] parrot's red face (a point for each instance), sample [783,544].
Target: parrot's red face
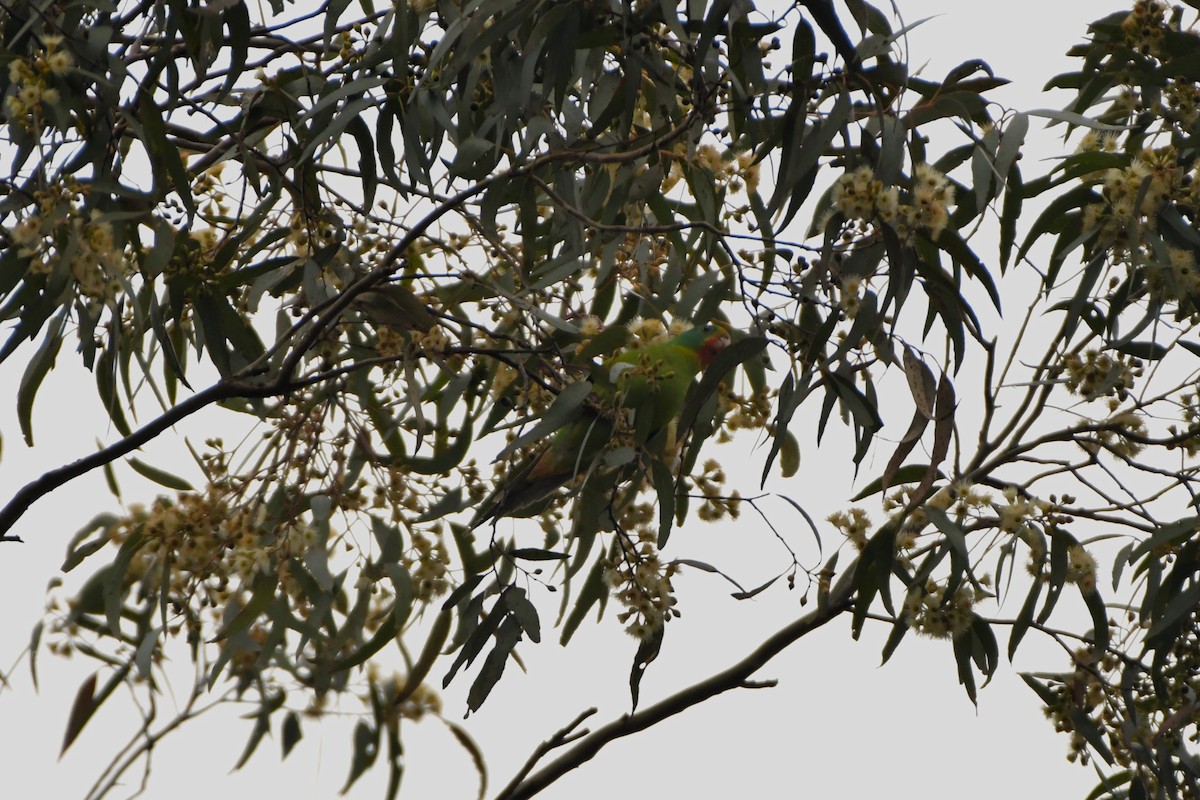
[714,344]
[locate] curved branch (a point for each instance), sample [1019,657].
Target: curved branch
[735,677]
[33,491]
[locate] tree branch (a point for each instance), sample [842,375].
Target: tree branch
[735,677]
[51,480]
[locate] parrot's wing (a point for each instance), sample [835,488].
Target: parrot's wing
[569,452]
[652,382]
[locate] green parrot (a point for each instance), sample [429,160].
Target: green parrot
[652,382]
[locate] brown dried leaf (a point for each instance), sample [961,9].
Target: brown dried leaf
[920,382]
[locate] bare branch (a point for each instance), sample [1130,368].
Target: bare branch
[735,677]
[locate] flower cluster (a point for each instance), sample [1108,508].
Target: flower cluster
[717,504]
[30,80]
[1132,194]
[1097,373]
[392,343]
[646,331]
[861,196]
[1121,433]
[854,525]
[202,552]
[934,613]
[960,498]
[1027,518]
[1144,28]
[428,562]
[740,412]
[1080,695]
[735,170]
[61,228]
[1081,568]
[1189,403]
[641,582]
[850,296]
[1097,142]
[1183,100]
[590,327]
[933,194]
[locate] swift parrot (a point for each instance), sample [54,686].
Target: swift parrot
[649,383]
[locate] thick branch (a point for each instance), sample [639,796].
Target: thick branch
[736,676]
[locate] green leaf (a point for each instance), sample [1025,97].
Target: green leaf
[968,105]
[81,711]
[962,657]
[1056,116]
[1169,535]
[1151,351]
[357,127]
[524,612]
[1086,727]
[786,404]
[478,635]
[260,596]
[1024,616]
[798,158]
[1183,603]
[79,548]
[35,372]
[166,162]
[648,650]
[161,477]
[913,473]
[1060,543]
[143,657]
[1010,212]
[594,591]
[262,726]
[537,554]
[114,581]
[35,642]
[1011,141]
[872,574]
[737,353]
[419,670]
[962,255]
[468,744]
[508,634]
[564,410]
[1099,612]
[366,750]
[237,22]
[664,487]
[385,634]
[899,629]
[291,732]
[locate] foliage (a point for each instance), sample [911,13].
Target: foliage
[401,240]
